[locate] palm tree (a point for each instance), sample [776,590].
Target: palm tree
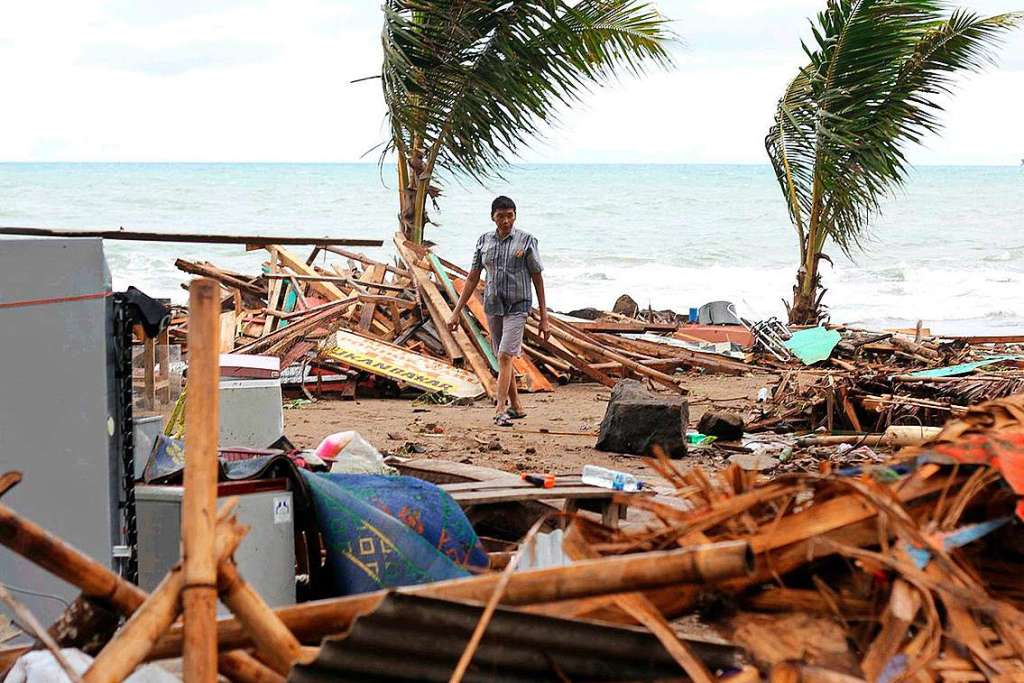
[468,83]
[877,72]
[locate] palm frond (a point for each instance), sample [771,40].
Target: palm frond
[877,70]
[473,81]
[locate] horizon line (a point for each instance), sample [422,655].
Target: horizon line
[513,165]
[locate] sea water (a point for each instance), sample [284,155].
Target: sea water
[947,248]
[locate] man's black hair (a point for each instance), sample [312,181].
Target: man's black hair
[501,203]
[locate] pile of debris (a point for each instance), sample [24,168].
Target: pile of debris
[901,571]
[372,324]
[874,380]
[896,572]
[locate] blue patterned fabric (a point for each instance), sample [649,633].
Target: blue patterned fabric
[382,532]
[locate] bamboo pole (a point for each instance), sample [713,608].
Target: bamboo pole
[645,612]
[45,550]
[699,564]
[275,644]
[243,668]
[129,647]
[202,418]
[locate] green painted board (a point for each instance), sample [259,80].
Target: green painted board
[813,345]
[962,368]
[449,288]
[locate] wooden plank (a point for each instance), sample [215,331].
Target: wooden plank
[199,597]
[611,326]
[437,308]
[468,323]
[227,322]
[708,361]
[511,482]
[373,274]
[149,370]
[362,258]
[205,237]
[163,350]
[583,366]
[290,260]
[520,494]
[273,295]
[655,375]
[388,360]
[476,361]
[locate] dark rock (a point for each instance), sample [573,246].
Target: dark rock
[625,305]
[724,425]
[638,419]
[531,450]
[586,313]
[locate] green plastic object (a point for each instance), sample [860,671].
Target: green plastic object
[962,368]
[813,345]
[697,439]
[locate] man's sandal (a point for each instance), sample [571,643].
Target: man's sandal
[503,420]
[515,414]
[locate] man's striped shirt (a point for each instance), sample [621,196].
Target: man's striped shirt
[509,262]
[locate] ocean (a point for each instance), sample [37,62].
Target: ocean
[948,248]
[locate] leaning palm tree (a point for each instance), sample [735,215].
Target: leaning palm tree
[877,72]
[468,83]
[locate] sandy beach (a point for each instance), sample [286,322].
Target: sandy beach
[466,433]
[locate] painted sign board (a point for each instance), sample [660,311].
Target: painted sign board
[396,363]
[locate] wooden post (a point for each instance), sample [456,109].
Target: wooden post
[202,420]
[163,350]
[149,368]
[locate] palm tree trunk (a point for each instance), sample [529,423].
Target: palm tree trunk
[805,309]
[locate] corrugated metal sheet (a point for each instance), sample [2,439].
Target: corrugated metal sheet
[410,638]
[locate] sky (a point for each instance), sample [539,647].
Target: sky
[270,80]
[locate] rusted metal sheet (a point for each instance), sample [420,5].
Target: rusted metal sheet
[411,638]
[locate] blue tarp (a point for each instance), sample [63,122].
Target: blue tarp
[382,532]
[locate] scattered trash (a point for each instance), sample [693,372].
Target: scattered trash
[610,479]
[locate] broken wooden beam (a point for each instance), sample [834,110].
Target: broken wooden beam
[699,564]
[202,419]
[194,237]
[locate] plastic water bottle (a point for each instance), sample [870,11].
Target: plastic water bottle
[610,479]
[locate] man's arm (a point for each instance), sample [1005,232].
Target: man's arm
[471,282]
[542,304]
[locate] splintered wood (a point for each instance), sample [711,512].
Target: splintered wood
[295,305]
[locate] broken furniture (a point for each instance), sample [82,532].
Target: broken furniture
[571,489]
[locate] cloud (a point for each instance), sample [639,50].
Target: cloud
[156,12]
[176,60]
[268,80]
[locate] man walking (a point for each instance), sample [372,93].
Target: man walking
[512,262]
